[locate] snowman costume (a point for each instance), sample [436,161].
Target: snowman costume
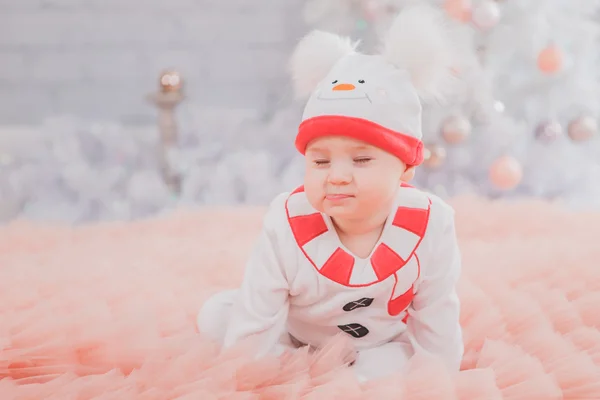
[301,285]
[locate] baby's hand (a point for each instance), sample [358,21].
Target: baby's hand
[350,357]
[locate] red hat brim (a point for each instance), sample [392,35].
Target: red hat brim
[407,148]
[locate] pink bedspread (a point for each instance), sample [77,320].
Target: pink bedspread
[107,312]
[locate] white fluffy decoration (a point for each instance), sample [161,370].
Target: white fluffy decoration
[420,41]
[76,171]
[313,58]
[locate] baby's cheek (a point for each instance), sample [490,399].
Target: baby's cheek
[374,181]
[314,194]
[370,203]
[376,192]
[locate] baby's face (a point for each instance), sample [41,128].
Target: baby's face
[349,179]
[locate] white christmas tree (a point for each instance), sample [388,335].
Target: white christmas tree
[524,123]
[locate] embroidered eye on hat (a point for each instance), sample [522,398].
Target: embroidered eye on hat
[375,98]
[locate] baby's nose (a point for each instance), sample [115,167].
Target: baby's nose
[339,175]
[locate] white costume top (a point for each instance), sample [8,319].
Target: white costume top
[302,279]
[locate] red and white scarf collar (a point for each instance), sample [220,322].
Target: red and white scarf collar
[394,253]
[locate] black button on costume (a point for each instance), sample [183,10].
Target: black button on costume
[355,330]
[364,302]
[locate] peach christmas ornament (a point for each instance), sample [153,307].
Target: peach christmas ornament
[372,10]
[506,173]
[459,10]
[550,59]
[583,128]
[434,155]
[456,129]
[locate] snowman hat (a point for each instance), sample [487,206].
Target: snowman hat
[375,98]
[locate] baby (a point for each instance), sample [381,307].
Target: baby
[356,251]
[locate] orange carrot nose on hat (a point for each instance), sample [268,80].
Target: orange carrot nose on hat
[344,86]
[374,98]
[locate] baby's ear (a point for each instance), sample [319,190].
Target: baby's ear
[313,58]
[421,42]
[408,174]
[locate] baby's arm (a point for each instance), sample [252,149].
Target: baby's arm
[433,325]
[262,308]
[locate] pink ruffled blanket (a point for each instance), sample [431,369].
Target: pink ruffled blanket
[107,312]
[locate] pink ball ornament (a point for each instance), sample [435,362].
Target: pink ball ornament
[459,10]
[456,129]
[486,15]
[372,10]
[548,131]
[434,156]
[506,173]
[550,59]
[582,129]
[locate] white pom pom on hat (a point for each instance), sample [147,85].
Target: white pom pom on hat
[314,57]
[375,98]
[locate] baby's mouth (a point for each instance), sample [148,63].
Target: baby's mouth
[338,196]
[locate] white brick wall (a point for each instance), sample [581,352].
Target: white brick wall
[99,58]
